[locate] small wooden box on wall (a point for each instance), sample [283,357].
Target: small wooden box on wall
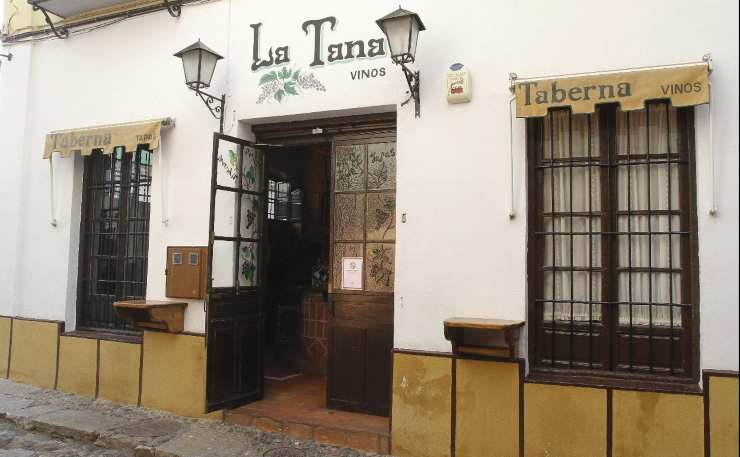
[186,271]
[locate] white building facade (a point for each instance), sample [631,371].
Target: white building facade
[464,185]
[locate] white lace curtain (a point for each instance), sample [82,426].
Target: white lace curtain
[577,200]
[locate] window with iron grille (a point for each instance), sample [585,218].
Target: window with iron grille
[612,250]
[114,238]
[284,203]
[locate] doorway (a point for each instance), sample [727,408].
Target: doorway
[297,260]
[328,262]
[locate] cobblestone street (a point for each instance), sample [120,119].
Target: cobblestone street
[16,442]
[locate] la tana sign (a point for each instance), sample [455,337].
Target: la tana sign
[288,77]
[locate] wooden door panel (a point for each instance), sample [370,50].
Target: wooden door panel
[233,314]
[379,344]
[348,363]
[361,321]
[220,353]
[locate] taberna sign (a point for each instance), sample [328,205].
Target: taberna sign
[683,85]
[316,30]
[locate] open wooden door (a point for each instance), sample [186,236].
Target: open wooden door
[234,322]
[361,286]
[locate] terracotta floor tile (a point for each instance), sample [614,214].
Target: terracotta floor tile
[302,400]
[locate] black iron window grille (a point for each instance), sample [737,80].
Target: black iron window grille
[284,203]
[611,263]
[114,235]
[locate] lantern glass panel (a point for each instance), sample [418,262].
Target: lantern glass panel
[207,67]
[414,37]
[397,30]
[190,61]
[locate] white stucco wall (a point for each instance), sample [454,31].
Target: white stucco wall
[458,254]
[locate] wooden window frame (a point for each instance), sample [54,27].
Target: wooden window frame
[689,347]
[107,321]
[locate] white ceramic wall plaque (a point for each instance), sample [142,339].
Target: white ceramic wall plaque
[457,84]
[352,273]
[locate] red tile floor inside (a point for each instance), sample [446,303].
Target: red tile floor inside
[302,400]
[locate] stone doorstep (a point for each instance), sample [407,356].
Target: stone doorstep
[364,441]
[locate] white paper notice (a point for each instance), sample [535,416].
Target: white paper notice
[352,273]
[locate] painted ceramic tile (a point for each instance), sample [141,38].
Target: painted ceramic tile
[349,215]
[381,216]
[248,264]
[252,170]
[251,216]
[343,250]
[349,171]
[380,262]
[381,166]
[226,170]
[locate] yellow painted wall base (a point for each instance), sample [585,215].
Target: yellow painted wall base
[166,372]
[119,370]
[564,421]
[5,325]
[174,373]
[648,423]
[487,398]
[78,366]
[421,406]
[33,358]
[723,416]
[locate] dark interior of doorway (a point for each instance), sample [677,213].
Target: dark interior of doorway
[298,224]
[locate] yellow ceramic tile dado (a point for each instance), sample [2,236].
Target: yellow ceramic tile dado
[174,373]
[657,424]
[723,416]
[487,411]
[78,365]
[119,372]
[564,421]
[5,323]
[33,358]
[421,406]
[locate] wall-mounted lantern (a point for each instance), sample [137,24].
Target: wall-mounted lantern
[401,28]
[199,63]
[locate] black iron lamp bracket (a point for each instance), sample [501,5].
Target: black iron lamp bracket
[215,105]
[174,7]
[412,79]
[59,32]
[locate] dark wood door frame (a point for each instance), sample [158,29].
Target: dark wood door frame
[368,326]
[234,317]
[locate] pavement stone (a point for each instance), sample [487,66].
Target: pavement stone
[77,424]
[203,441]
[146,433]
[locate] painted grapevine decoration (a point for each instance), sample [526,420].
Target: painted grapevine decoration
[285,82]
[249,219]
[349,216]
[381,215]
[381,168]
[251,163]
[381,257]
[248,265]
[350,168]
